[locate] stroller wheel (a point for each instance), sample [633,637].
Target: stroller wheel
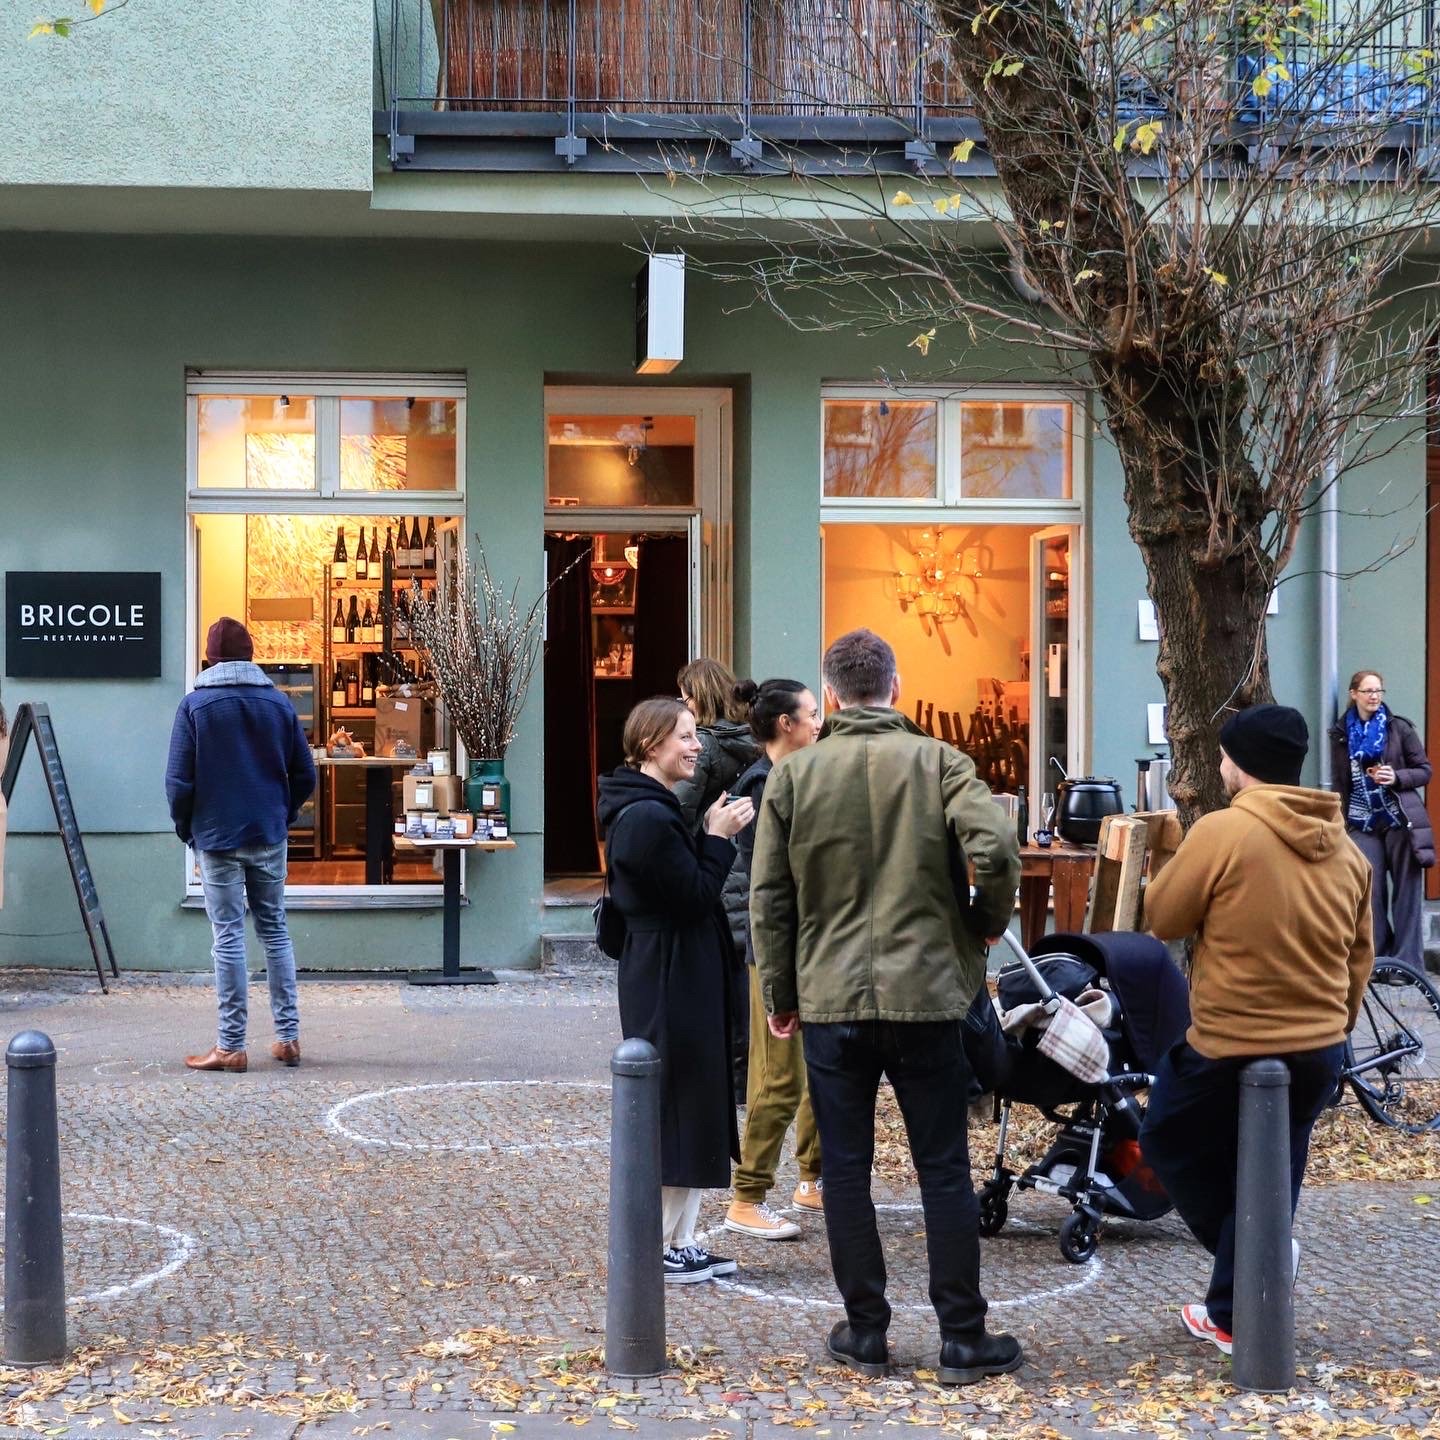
[1079,1236]
[994,1212]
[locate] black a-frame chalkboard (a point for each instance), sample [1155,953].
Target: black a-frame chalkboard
[34,719]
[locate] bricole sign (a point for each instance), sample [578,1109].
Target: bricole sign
[82,624]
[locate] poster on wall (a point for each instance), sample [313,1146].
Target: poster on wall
[82,624]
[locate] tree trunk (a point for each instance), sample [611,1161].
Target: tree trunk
[1175,403]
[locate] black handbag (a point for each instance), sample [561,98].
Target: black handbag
[610,927]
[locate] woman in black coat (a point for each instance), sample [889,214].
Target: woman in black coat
[1378,765]
[674,975]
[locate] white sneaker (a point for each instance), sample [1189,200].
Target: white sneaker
[760,1221]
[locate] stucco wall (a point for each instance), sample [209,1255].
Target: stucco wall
[92,467]
[271,94]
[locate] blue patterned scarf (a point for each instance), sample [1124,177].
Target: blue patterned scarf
[1370,804]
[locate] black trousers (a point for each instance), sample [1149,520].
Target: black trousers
[1191,1135]
[926,1065]
[1397,893]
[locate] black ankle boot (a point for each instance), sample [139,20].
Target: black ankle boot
[862,1350]
[962,1362]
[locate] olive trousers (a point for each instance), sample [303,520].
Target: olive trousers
[775,1095]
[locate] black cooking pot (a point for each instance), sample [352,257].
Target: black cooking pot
[1080,806]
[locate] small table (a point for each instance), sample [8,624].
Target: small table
[1068,868]
[379,815]
[450,972]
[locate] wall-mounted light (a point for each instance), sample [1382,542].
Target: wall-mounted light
[284,402]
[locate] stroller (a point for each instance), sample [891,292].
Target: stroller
[1094,1161]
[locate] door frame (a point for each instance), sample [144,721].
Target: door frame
[1075,711]
[709,522]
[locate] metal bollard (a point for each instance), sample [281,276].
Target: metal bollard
[1264,1338]
[635,1284]
[34,1253]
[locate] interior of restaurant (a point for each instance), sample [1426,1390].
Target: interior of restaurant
[327,598]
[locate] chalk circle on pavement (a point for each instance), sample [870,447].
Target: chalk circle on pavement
[379,1118]
[178,1247]
[828,1301]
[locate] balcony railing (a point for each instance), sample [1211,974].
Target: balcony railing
[490,84]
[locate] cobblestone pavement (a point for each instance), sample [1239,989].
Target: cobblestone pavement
[438,1165]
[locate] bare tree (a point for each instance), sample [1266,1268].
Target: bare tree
[1218,204]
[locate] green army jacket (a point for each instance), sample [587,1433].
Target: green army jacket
[859,906]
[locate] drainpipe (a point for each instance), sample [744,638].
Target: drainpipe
[1329,595]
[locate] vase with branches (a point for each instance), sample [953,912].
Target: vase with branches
[483,645]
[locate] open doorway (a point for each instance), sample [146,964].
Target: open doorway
[637,521]
[617,632]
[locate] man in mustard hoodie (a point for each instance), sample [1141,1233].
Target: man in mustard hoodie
[1277,897]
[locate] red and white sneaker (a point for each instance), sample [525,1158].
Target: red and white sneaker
[1197,1321]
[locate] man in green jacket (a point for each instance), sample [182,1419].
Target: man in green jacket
[865,932]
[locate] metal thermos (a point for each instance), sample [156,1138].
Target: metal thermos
[1152,783]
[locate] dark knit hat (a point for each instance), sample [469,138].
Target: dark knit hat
[1269,742]
[228,640]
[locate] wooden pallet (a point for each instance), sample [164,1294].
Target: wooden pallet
[1129,845]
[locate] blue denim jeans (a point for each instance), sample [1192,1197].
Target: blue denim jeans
[228,877]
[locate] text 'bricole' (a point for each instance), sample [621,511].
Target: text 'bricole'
[79,617]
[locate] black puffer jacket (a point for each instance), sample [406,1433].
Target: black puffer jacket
[1406,756]
[725,750]
[736,894]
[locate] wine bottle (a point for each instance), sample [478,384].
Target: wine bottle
[1022,817]
[429,554]
[352,688]
[390,550]
[337,689]
[362,558]
[352,622]
[367,623]
[340,562]
[337,623]
[417,546]
[403,560]
[375,552]
[367,681]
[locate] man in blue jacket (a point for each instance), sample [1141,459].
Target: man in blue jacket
[239,771]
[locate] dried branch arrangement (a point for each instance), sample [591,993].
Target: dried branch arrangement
[483,646]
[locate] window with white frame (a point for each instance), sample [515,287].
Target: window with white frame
[920,446]
[316,502]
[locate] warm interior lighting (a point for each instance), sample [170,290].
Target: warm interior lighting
[653,365]
[941,580]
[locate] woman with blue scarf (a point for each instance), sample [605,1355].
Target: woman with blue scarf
[1378,767]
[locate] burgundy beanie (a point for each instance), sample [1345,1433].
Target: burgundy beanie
[1268,742]
[228,640]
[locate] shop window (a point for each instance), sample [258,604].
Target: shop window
[1015,450]
[397,443]
[612,461]
[881,449]
[256,442]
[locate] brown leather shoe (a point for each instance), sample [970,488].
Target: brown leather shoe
[287,1052]
[234,1061]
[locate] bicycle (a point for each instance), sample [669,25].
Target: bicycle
[1392,1058]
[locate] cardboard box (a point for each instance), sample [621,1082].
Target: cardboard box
[445,793]
[407,718]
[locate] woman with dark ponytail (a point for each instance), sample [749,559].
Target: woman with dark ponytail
[784,717]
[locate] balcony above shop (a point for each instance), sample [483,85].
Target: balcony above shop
[835,87]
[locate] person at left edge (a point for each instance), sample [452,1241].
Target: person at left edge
[239,771]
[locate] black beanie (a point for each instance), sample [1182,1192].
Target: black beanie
[1269,742]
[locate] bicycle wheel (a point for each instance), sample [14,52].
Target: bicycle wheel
[1392,1058]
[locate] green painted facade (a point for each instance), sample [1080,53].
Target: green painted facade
[202,188]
